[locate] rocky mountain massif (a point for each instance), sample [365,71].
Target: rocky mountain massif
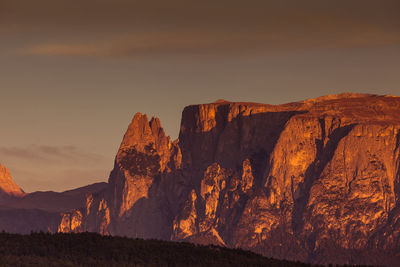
[316,181]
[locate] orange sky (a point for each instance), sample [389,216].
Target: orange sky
[73,73]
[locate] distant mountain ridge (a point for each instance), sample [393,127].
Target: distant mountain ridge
[55,201]
[22,212]
[316,180]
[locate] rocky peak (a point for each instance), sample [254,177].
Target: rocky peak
[139,134]
[144,152]
[144,137]
[7,186]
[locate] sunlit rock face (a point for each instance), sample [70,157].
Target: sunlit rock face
[8,188]
[71,222]
[317,180]
[143,186]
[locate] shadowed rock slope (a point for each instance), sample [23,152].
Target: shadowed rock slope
[315,181]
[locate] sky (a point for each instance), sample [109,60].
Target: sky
[73,73]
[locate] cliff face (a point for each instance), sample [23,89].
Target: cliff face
[308,180]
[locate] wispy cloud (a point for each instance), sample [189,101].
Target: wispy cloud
[132,45]
[51,167]
[203,43]
[124,28]
[51,154]
[58,179]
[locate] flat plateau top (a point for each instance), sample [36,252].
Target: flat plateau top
[357,107]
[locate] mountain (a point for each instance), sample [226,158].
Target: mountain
[8,188]
[316,180]
[38,211]
[55,201]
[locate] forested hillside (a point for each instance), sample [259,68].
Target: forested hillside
[89,249]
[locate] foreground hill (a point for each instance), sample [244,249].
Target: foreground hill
[95,250]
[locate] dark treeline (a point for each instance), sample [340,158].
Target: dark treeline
[90,249]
